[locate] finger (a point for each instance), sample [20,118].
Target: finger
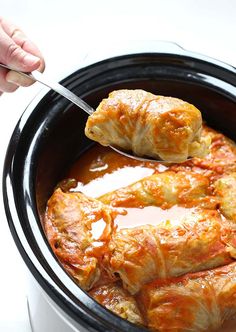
[23,41]
[19,79]
[4,85]
[13,55]
[28,46]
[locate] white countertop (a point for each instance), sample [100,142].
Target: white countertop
[65,31]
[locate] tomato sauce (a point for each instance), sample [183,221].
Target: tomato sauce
[101,170]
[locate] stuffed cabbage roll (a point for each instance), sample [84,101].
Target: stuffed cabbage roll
[165,190]
[194,303]
[225,187]
[119,301]
[201,240]
[68,225]
[220,160]
[149,125]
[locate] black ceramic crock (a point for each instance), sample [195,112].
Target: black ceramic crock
[49,137]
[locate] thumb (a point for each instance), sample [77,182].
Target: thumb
[19,59]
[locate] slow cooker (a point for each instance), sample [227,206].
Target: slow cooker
[49,137]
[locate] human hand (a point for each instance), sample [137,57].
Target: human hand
[19,53]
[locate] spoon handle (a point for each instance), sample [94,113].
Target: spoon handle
[39,77]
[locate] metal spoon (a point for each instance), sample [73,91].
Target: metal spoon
[39,77]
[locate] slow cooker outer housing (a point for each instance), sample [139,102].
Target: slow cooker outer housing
[49,137]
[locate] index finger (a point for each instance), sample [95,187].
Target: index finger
[17,50]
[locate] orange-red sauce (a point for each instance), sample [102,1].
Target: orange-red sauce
[100,161]
[101,170]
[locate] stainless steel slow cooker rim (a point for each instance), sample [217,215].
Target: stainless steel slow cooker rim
[32,259]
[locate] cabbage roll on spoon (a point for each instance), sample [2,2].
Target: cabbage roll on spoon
[134,120]
[157,127]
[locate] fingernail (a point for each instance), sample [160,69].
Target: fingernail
[30,60]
